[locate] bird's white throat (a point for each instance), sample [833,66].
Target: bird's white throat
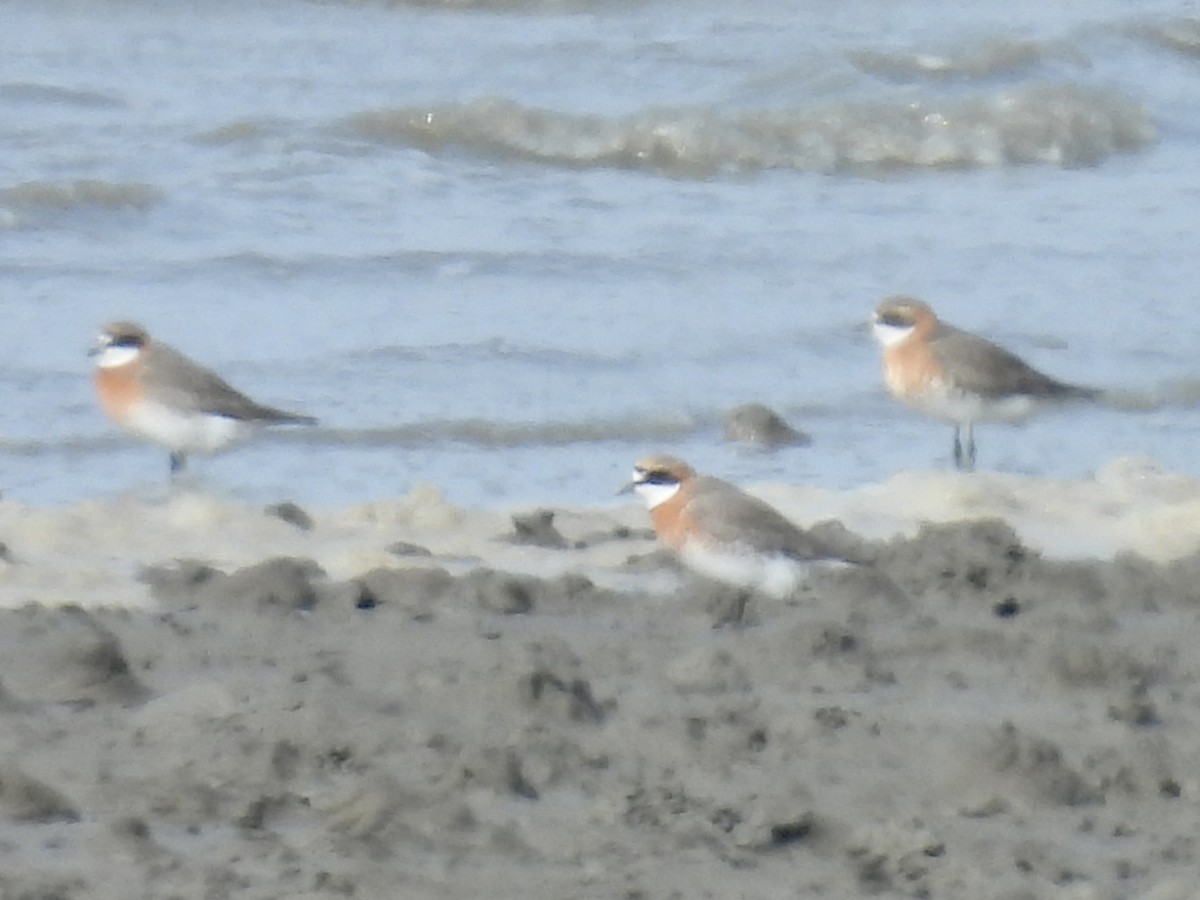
[655,494]
[112,357]
[890,335]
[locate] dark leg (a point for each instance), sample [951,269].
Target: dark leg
[730,610]
[737,617]
[964,455]
[178,463]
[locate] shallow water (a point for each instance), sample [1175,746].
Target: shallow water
[511,247]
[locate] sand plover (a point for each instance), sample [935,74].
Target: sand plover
[156,393]
[722,532]
[957,376]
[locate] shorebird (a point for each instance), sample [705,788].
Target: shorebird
[957,376]
[159,395]
[722,532]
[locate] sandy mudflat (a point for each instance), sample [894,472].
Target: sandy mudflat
[410,700]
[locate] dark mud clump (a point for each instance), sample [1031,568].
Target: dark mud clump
[756,425]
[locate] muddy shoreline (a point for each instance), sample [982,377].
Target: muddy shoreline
[413,700]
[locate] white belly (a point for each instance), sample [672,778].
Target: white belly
[189,432]
[776,576]
[953,405]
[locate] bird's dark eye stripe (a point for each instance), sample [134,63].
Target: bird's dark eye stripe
[894,320]
[656,478]
[124,341]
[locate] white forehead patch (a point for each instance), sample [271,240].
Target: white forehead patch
[890,335]
[112,356]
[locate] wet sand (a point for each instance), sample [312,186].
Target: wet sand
[405,699]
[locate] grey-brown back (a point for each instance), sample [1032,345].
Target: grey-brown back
[731,515]
[173,379]
[977,365]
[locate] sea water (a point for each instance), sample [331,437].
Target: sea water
[508,247]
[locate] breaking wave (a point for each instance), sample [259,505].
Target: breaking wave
[1179,35]
[1063,125]
[32,201]
[993,58]
[475,432]
[485,433]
